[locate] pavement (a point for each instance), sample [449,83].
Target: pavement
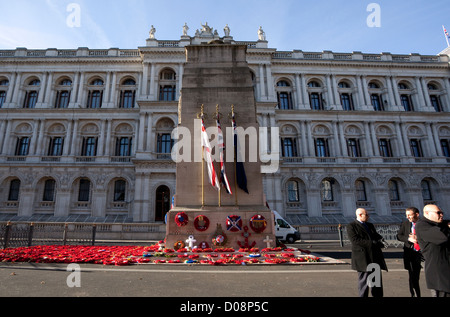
[157,283]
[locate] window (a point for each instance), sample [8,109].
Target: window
[406,102]
[14,189]
[63,94]
[123,146]
[31,94]
[347,101]
[167,85]
[55,147]
[385,147]
[394,194]
[327,190]
[353,148]
[22,146]
[164,143]
[289,147]
[315,100]
[360,190]
[89,147]
[322,147]
[127,94]
[376,102]
[436,103]
[84,190]
[3,90]
[95,94]
[416,148]
[284,95]
[119,190]
[49,190]
[167,93]
[292,187]
[426,190]
[445,148]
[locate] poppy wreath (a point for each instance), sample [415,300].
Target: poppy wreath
[181,219]
[220,240]
[258,223]
[201,223]
[178,245]
[234,223]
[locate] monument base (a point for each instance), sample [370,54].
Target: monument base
[220,227]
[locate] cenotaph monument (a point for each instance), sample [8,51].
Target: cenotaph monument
[217,85]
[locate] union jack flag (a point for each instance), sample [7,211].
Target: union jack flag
[208,158]
[445,32]
[223,175]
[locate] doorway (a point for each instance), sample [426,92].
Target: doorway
[162,204]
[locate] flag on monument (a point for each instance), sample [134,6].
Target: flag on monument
[208,158]
[223,175]
[241,178]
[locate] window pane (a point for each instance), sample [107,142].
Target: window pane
[393,191]
[327,190]
[14,189]
[293,191]
[2,98]
[119,190]
[22,146]
[84,190]
[426,191]
[49,190]
[360,191]
[164,143]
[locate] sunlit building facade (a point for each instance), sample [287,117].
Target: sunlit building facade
[86,133]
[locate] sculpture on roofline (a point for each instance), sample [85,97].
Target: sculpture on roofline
[152,32]
[261,34]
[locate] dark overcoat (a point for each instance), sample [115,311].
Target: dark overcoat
[409,255]
[434,241]
[366,246]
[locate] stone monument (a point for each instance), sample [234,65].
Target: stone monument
[217,83]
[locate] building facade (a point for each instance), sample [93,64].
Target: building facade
[86,134]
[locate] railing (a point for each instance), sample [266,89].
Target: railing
[21,234]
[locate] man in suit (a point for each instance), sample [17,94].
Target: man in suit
[412,256]
[366,253]
[433,235]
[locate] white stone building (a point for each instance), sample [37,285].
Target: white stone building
[86,134]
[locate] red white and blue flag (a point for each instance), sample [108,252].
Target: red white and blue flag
[208,158]
[221,145]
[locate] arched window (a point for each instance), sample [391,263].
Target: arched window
[127,94]
[292,188]
[31,93]
[84,190]
[14,190]
[394,192]
[95,94]
[167,85]
[284,95]
[326,190]
[4,83]
[434,92]
[63,91]
[162,202]
[49,190]
[120,190]
[426,190]
[360,188]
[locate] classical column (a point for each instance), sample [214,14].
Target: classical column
[108,139]
[153,96]
[150,140]
[342,139]
[299,99]
[406,140]
[73,94]
[3,124]
[373,134]
[101,141]
[365,86]
[68,141]
[310,139]
[359,88]
[112,98]
[304,144]
[392,104]
[144,83]
[305,92]
[262,82]
[41,94]
[421,98]
[141,132]
[270,84]
[369,144]
[447,93]
[48,91]
[11,87]
[106,95]
[81,92]
[337,148]
[437,141]
[337,99]
[180,80]
[7,139]
[398,103]
[15,97]
[426,94]
[40,143]
[33,143]
[330,101]
[75,139]
[432,145]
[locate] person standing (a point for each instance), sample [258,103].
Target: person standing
[433,235]
[412,256]
[366,251]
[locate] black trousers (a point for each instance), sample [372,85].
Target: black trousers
[363,285]
[414,268]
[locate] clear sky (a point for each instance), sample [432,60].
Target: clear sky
[401,26]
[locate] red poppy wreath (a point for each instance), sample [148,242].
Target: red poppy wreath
[201,223]
[258,223]
[181,219]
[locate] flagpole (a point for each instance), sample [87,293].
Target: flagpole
[220,198]
[446,35]
[203,167]
[235,172]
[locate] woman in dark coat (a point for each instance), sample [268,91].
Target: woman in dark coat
[366,250]
[433,234]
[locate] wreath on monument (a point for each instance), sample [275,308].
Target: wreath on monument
[178,245]
[201,223]
[234,223]
[258,223]
[181,219]
[219,238]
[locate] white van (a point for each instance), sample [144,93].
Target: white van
[283,230]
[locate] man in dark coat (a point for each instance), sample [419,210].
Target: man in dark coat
[412,257]
[433,235]
[366,254]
